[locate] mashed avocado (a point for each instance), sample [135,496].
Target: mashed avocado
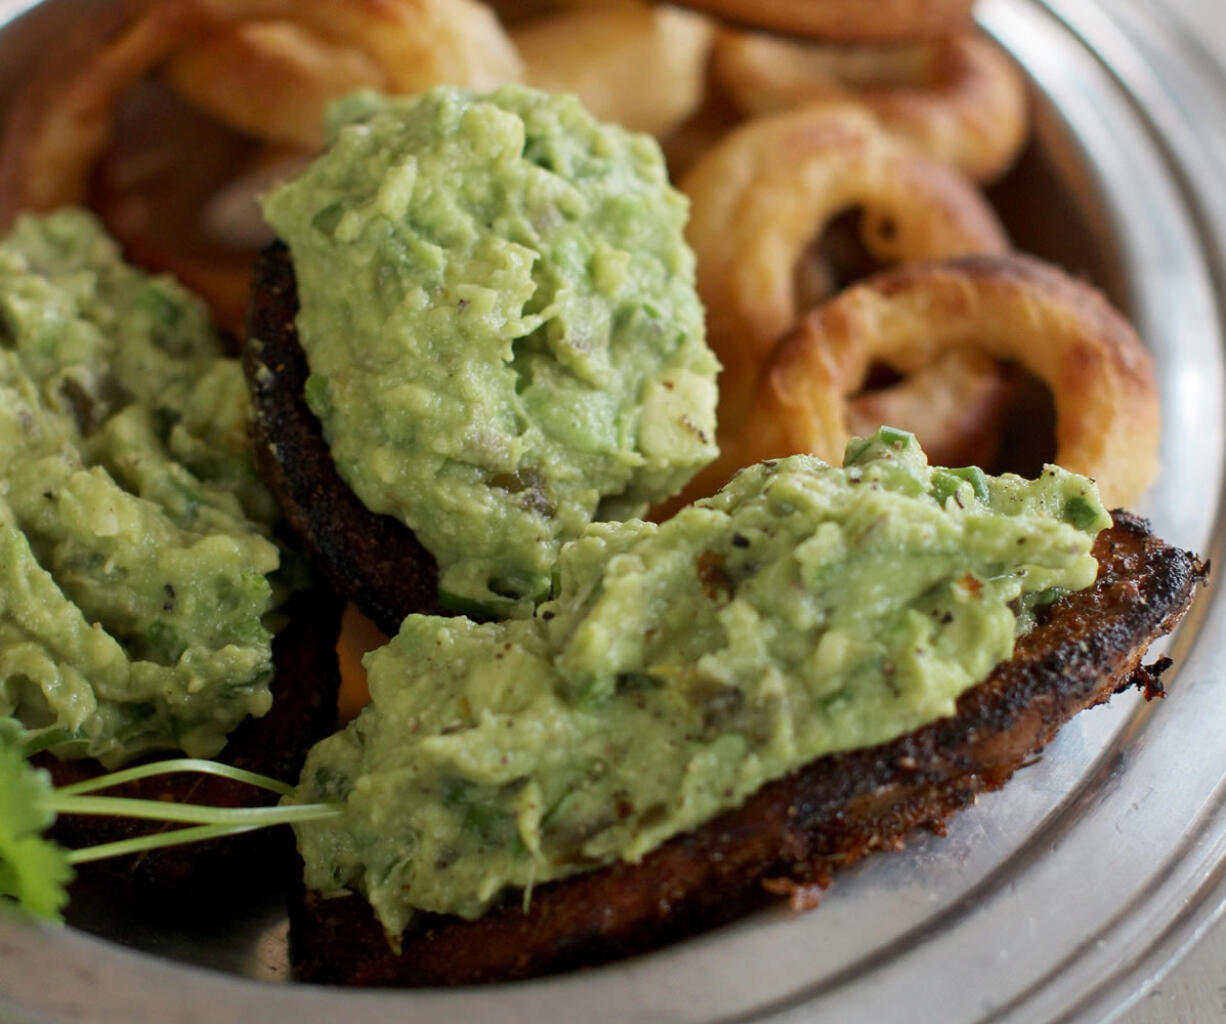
[134,533]
[498,311]
[803,610]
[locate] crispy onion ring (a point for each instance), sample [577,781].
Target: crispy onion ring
[761,194]
[271,79]
[418,43]
[846,21]
[958,98]
[177,190]
[640,66]
[957,407]
[62,122]
[358,637]
[1013,308]
[273,72]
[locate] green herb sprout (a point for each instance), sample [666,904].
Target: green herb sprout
[35,871]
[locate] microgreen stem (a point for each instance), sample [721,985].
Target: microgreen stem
[174,766]
[198,833]
[139,844]
[161,810]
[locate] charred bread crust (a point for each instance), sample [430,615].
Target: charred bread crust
[303,711]
[375,560]
[790,837]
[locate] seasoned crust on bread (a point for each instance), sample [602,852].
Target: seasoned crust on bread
[303,711]
[792,834]
[372,559]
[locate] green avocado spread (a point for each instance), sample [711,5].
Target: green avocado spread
[135,546]
[801,611]
[499,315]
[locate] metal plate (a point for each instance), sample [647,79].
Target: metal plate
[1059,898]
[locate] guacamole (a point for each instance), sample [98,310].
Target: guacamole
[499,315]
[135,549]
[801,611]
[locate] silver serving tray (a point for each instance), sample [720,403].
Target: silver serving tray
[1060,898]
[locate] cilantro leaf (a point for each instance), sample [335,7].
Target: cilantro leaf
[34,872]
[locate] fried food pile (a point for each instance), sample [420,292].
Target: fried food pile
[816,143]
[853,273]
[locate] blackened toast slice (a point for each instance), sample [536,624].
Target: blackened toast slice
[303,711]
[374,560]
[789,838]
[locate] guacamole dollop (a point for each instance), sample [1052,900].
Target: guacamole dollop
[135,549]
[499,316]
[801,611]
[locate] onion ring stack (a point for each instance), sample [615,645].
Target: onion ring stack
[867,117]
[761,194]
[261,66]
[67,116]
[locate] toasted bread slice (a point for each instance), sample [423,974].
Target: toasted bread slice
[372,559]
[791,836]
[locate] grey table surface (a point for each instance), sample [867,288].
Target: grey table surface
[1194,991]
